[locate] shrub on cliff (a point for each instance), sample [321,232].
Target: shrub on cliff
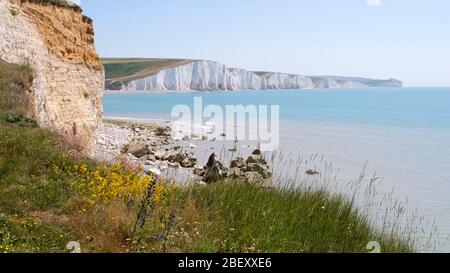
[59,3]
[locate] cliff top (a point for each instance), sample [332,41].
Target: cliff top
[59,3]
[65,31]
[129,69]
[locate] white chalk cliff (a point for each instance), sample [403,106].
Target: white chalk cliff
[203,75]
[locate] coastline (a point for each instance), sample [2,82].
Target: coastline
[163,155]
[151,92]
[345,167]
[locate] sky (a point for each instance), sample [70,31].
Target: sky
[404,39]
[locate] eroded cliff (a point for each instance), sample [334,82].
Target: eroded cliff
[57,42]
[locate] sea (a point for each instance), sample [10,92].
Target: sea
[392,143]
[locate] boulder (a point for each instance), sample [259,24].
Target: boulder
[236,173]
[238,163]
[261,169]
[160,155]
[151,170]
[214,170]
[257,152]
[138,150]
[188,162]
[199,171]
[151,158]
[253,178]
[173,165]
[163,132]
[252,160]
[163,165]
[256,157]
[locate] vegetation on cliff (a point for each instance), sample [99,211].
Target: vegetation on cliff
[51,194]
[121,71]
[59,3]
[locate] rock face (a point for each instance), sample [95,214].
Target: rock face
[58,44]
[203,75]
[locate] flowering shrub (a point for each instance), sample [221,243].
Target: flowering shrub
[104,183]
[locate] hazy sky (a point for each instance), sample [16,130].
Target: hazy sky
[405,39]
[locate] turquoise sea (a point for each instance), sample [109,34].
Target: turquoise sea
[401,134]
[403,107]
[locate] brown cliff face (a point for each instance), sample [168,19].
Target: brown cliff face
[66,32]
[57,43]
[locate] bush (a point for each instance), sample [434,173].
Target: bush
[58,3]
[15,80]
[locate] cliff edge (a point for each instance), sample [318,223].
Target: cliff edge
[57,42]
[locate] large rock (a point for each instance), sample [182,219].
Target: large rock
[236,173]
[188,162]
[199,171]
[163,132]
[261,169]
[253,178]
[253,170]
[160,155]
[151,170]
[238,163]
[138,150]
[256,157]
[214,170]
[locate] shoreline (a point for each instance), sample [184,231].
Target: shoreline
[162,92]
[401,156]
[151,144]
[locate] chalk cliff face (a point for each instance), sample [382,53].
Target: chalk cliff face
[58,44]
[212,76]
[202,75]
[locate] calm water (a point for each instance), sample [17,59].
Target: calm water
[401,134]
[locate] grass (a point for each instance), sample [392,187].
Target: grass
[235,217]
[124,70]
[58,3]
[51,194]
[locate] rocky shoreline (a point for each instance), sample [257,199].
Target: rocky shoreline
[153,147]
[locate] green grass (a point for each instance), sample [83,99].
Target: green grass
[125,60]
[246,218]
[124,70]
[27,184]
[41,211]
[59,3]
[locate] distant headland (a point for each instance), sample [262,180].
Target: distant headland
[205,75]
